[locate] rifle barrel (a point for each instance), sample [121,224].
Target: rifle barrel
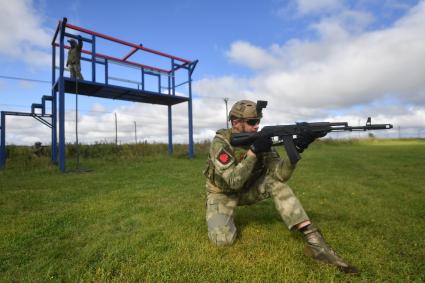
[361,128]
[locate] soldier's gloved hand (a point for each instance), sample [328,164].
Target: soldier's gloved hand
[262,144]
[306,137]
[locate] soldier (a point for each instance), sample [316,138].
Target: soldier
[246,175]
[37,149]
[74,57]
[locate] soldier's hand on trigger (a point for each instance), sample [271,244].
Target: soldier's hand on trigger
[262,144]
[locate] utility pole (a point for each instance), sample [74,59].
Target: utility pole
[77,145]
[116,129]
[359,131]
[135,131]
[227,112]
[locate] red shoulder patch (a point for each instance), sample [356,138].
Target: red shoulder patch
[224,157]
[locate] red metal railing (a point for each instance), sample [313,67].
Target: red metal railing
[127,43]
[119,60]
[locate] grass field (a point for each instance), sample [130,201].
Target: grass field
[141,218]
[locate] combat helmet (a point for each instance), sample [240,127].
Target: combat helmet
[247,109]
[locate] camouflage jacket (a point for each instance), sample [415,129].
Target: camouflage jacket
[230,170]
[74,54]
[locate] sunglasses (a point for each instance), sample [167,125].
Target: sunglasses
[253,122]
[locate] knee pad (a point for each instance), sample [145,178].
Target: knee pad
[221,230]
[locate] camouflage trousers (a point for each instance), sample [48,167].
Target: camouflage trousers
[75,70]
[221,206]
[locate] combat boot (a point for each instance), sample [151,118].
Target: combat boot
[319,250]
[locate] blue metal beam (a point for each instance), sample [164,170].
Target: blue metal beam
[190,72]
[54,107]
[62,99]
[176,67]
[192,67]
[77,37]
[169,85]
[106,71]
[159,83]
[173,79]
[41,120]
[191,151]
[45,98]
[93,54]
[36,106]
[143,79]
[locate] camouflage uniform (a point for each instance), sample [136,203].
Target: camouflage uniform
[235,179]
[37,149]
[74,57]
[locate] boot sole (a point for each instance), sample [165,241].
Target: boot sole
[350,270]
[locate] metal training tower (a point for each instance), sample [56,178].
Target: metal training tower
[149,84]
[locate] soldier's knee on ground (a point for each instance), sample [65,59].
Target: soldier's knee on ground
[221,230]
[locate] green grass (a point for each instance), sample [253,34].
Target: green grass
[141,218]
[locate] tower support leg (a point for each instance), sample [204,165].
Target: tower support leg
[191,151]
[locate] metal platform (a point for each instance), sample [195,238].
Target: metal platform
[90,88]
[156,84]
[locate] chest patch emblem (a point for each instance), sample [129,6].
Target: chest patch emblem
[224,157]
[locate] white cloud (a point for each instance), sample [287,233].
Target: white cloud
[341,25]
[97,107]
[343,68]
[316,6]
[22,35]
[222,87]
[252,56]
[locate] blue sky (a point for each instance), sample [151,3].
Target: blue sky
[329,60]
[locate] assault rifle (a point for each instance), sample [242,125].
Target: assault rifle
[285,134]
